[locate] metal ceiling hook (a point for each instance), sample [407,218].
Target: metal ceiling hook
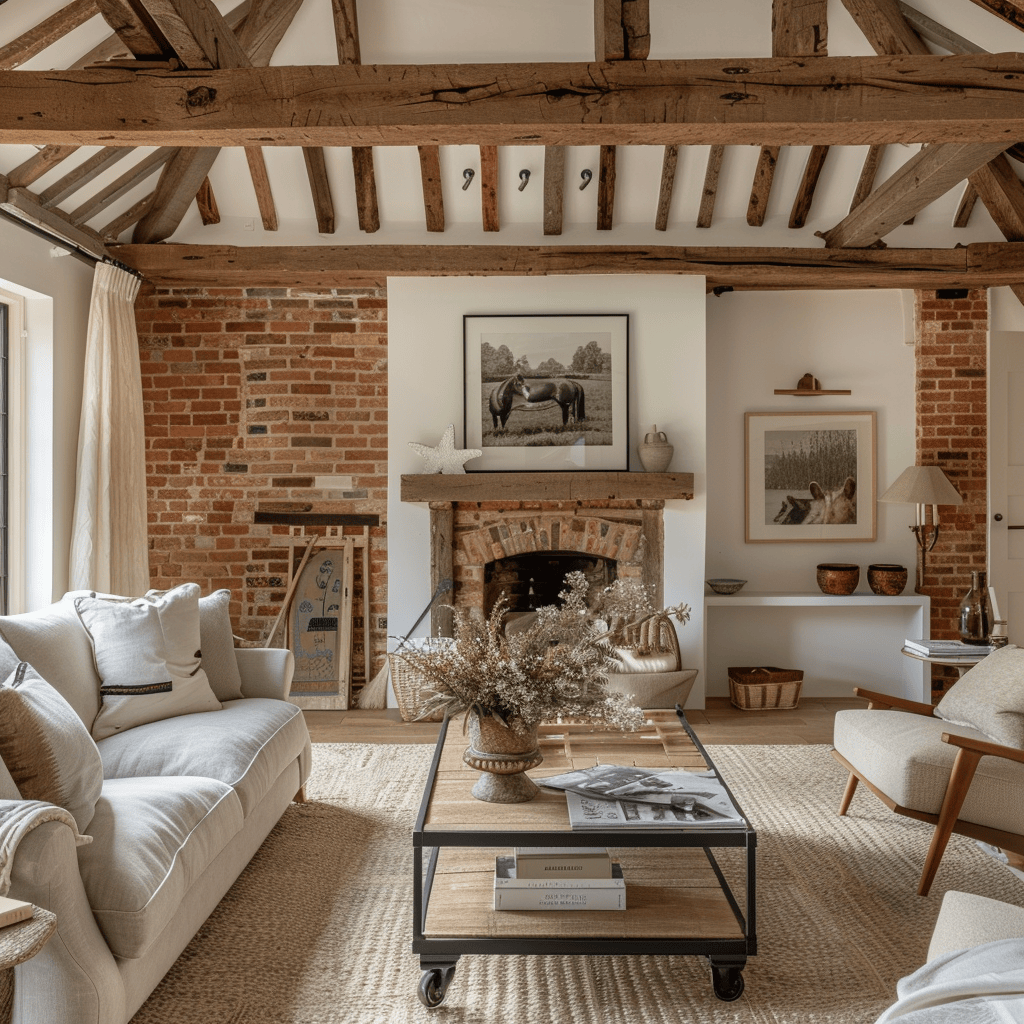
[587,175]
[524,179]
[467,174]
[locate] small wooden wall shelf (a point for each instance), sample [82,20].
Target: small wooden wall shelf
[545,486]
[809,391]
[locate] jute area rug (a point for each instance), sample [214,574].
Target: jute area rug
[318,928]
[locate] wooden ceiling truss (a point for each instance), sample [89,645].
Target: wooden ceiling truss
[176,72]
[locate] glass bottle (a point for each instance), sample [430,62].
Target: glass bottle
[975,612]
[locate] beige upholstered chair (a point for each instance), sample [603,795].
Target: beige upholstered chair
[959,765]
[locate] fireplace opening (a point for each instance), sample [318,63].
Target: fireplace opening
[535,579]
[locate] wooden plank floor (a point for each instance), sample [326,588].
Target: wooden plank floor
[719,722]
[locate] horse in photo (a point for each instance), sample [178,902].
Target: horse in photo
[502,396]
[568,394]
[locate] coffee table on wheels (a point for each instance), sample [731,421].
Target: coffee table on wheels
[678,900]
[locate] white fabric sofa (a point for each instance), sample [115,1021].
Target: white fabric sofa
[185,803]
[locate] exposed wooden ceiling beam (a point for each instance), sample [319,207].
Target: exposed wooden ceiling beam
[433,195]
[346,31]
[37,165]
[1003,195]
[123,221]
[668,180]
[24,205]
[261,185]
[764,175]
[966,206]
[606,189]
[609,39]
[81,175]
[808,183]
[135,29]
[978,265]
[178,185]
[125,183]
[800,27]
[866,181]
[37,39]
[197,32]
[264,27]
[489,188]
[554,188]
[207,203]
[927,175]
[886,29]
[709,193]
[320,186]
[366,189]
[1011,11]
[935,33]
[636,26]
[763,101]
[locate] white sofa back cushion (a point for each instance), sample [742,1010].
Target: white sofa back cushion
[218,645]
[147,654]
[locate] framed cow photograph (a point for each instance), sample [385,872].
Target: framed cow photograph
[810,476]
[547,392]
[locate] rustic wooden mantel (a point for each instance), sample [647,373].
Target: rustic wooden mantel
[575,486]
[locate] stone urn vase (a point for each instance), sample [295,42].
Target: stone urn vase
[655,453]
[502,754]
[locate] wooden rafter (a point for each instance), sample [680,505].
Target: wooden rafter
[433,195]
[763,101]
[709,193]
[885,27]
[866,181]
[669,162]
[933,32]
[764,175]
[606,189]
[800,28]
[261,185]
[81,175]
[927,175]
[125,183]
[966,206]
[489,188]
[264,28]
[122,222]
[24,205]
[749,267]
[135,29]
[1011,11]
[1003,195]
[808,183]
[207,203]
[39,164]
[197,33]
[37,39]
[320,186]
[636,27]
[622,29]
[554,188]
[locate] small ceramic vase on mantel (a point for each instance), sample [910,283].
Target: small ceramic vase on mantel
[502,754]
[655,453]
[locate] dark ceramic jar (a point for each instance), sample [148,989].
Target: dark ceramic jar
[838,577]
[887,580]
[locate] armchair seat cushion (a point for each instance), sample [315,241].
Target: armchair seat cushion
[903,755]
[152,839]
[247,744]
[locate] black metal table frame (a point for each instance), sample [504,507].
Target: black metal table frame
[728,957]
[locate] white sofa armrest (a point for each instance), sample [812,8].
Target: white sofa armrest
[967,919]
[265,671]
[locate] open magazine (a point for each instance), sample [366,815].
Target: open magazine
[607,796]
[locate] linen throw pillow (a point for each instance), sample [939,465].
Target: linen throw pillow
[147,656]
[46,747]
[990,698]
[218,645]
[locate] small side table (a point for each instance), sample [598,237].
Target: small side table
[18,943]
[961,664]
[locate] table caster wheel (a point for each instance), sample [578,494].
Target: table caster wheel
[434,985]
[727,983]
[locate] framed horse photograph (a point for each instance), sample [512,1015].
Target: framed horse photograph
[547,392]
[810,476]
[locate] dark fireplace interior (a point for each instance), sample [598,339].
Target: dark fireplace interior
[535,579]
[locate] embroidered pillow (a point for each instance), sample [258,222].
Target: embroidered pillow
[218,645]
[46,747]
[148,658]
[990,698]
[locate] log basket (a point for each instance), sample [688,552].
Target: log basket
[765,688]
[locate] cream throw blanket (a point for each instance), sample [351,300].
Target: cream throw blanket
[17,819]
[983,985]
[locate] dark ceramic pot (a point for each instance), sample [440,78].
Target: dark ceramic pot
[887,580]
[838,577]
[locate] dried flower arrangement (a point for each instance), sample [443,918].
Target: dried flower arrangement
[556,667]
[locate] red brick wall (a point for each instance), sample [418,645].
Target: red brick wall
[952,433]
[249,395]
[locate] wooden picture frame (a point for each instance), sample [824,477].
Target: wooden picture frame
[810,477]
[547,392]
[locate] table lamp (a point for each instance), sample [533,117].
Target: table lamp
[922,486]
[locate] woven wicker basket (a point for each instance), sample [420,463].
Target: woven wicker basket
[411,688]
[765,689]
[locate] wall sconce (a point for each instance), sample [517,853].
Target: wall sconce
[467,175]
[524,179]
[922,486]
[587,175]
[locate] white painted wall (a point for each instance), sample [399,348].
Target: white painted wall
[57,293]
[861,340]
[667,370]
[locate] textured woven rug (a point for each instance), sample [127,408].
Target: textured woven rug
[317,930]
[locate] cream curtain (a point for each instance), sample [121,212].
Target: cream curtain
[109,542]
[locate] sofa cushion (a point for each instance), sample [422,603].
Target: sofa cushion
[990,698]
[148,657]
[218,645]
[54,643]
[247,744]
[904,756]
[46,746]
[152,839]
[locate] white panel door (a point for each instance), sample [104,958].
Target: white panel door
[1006,477]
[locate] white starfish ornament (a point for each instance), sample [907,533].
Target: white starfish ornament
[445,458]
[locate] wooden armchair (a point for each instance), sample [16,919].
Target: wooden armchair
[924,754]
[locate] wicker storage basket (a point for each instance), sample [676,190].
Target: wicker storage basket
[410,686]
[763,689]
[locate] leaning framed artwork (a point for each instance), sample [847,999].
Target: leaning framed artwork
[810,476]
[547,392]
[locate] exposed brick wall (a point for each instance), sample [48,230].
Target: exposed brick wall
[952,433]
[250,394]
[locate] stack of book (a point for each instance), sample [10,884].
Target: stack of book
[559,878]
[947,649]
[12,911]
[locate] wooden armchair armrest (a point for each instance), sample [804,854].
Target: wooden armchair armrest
[983,747]
[884,701]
